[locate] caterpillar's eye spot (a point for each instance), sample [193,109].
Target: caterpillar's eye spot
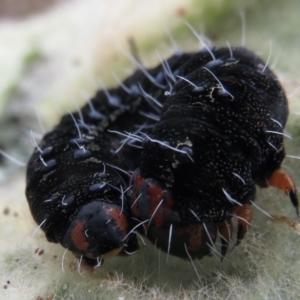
[48,165]
[79,141]
[68,201]
[97,187]
[82,153]
[214,64]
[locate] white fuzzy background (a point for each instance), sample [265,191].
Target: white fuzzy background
[47,60]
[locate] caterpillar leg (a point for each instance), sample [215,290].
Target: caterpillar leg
[245,216]
[225,230]
[283,181]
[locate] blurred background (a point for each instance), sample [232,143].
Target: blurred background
[19,9]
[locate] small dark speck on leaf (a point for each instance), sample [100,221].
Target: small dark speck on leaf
[6,211]
[39,251]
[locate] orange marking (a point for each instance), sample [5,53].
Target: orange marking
[281,180]
[78,237]
[162,210]
[157,210]
[244,214]
[155,198]
[138,182]
[119,218]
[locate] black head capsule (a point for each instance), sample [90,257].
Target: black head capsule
[99,230]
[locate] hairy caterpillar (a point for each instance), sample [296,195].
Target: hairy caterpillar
[199,130]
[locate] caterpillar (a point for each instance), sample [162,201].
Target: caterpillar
[198,132]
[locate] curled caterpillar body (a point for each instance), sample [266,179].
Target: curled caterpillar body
[219,134]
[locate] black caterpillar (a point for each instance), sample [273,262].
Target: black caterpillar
[200,130]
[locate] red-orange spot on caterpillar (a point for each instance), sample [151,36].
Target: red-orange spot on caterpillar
[78,237]
[118,217]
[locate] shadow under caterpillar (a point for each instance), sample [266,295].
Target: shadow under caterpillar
[199,131]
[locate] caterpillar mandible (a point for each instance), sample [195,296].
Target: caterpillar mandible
[200,130]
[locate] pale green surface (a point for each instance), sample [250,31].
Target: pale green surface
[265,266]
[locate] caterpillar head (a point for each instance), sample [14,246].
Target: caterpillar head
[99,231]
